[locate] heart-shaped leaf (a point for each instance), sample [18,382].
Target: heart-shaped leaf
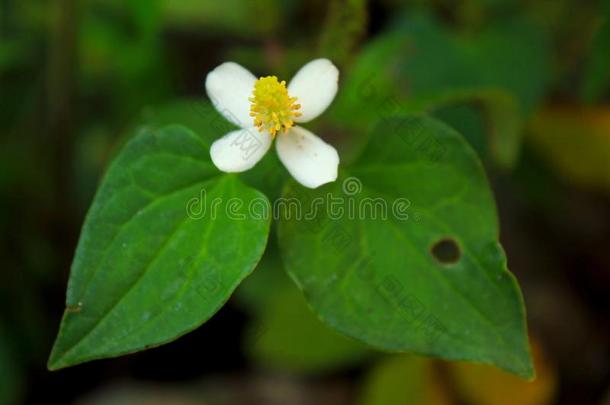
[166,241]
[403,254]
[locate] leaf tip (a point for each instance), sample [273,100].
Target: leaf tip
[524,368]
[54,363]
[529,372]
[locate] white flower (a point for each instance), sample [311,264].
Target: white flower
[264,109]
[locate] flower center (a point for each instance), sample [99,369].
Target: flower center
[272,108]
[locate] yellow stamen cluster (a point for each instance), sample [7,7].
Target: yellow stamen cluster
[272,109]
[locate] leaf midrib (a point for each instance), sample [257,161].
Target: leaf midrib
[153,259]
[152,202]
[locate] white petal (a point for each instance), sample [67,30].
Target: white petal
[240,150]
[229,86]
[310,160]
[314,86]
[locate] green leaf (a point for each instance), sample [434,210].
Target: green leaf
[163,247]
[386,279]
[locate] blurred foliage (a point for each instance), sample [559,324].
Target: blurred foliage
[575,141]
[344,28]
[118,48]
[284,333]
[401,380]
[234,17]
[597,73]
[420,65]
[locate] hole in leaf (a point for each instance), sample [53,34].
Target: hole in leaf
[446,251]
